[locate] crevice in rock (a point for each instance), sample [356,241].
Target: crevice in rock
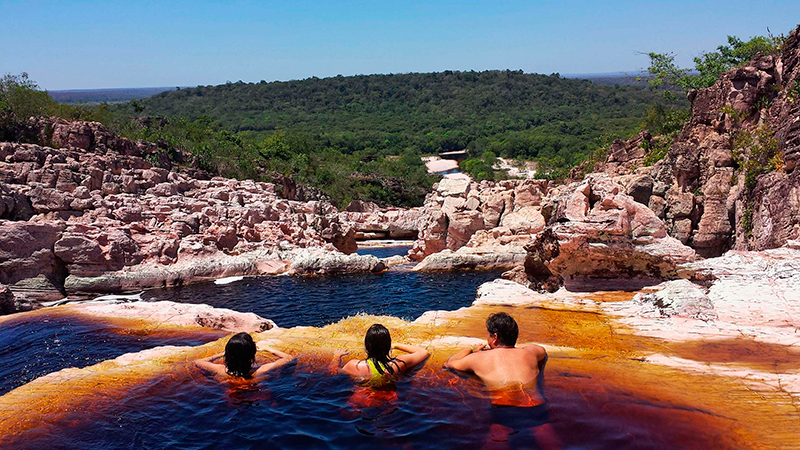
[58,276]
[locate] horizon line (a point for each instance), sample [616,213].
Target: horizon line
[567,75]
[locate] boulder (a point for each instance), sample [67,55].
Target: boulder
[324,263]
[600,236]
[453,187]
[463,259]
[640,188]
[26,252]
[7,305]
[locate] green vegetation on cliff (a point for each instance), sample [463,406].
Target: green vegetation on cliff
[710,65]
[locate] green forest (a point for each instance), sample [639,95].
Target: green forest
[510,113]
[361,137]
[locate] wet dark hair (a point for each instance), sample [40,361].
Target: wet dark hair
[240,354]
[505,327]
[378,343]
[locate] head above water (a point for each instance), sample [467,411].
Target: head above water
[504,327]
[378,343]
[240,354]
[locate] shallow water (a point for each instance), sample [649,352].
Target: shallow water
[602,394]
[318,301]
[36,347]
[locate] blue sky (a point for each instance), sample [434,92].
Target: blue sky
[93,44]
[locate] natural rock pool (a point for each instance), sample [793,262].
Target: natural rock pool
[602,387]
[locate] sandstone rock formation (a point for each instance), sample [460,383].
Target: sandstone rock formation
[98,216]
[742,294]
[373,222]
[729,178]
[7,305]
[166,313]
[484,225]
[325,263]
[597,234]
[680,298]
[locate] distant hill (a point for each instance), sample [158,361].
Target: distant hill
[511,113]
[93,96]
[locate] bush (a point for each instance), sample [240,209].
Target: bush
[20,98]
[756,152]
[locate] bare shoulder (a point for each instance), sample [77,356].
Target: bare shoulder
[537,350]
[208,366]
[355,367]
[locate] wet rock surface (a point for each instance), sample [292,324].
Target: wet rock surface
[166,313]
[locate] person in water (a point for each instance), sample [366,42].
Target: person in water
[380,366]
[514,376]
[240,358]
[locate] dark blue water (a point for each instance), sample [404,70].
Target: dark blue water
[304,408]
[319,301]
[32,348]
[385,252]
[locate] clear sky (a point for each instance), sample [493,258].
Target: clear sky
[104,44]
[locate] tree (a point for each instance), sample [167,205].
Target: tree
[710,65]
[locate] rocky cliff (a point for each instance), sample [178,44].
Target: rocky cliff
[729,180]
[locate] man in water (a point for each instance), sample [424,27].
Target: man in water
[514,377]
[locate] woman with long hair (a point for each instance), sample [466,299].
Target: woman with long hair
[380,366]
[240,357]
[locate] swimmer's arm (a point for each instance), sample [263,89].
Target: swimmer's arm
[275,352]
[459,361]
[208,365]
[284,359]
[415,355]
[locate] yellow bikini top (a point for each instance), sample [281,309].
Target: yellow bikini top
[374,374]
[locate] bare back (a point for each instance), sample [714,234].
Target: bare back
[503,366]
[508,372]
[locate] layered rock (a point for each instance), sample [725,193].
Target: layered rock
[98,216]
[369,221]
[596,236]
[729,178]
[483,225]
[742,294]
